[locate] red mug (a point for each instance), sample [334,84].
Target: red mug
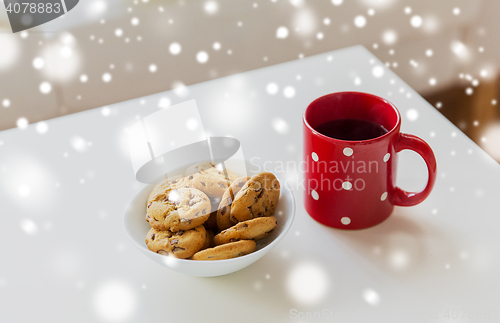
[351,184]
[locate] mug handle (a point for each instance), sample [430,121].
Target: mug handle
[404,198]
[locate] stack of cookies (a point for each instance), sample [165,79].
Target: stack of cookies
[211,213]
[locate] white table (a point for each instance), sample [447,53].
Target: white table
[66,258]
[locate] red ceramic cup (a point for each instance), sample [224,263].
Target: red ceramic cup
[352,184]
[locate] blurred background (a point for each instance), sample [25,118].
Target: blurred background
[107,51]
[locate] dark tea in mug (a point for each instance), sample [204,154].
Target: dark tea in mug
[351,129]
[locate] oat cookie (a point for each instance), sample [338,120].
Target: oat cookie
[226,251]
[207,178]
[258,197]
[155,224]
[224,209]
[211,222]
[161,188]
[180,244]
[209,240]
[254,229]
[180,209]
[231,175]
[228,174]
[199,167]
[211,168]
[212,184]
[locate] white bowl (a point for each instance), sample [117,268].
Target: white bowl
[137,227]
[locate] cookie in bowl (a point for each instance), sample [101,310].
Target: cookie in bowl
[180,244]
[166,185]
[226,251]
[178,209]
[211,168]
[258,197]
[224,209]
[254,229]
[212,260]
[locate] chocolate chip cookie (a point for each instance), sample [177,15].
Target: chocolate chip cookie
[211,222]
[161,189]
[211,168]
[228,174]
[224,209]
[212,184]
[254,229]
[209,240]
[258,197]
[180,244]
[178,209]
[226,251]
